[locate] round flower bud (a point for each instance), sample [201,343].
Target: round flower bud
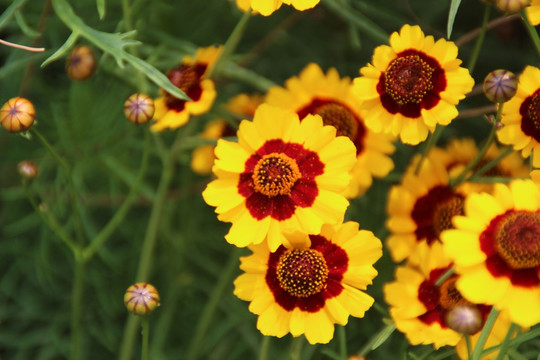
[17,114]
[464,319]
[81,63]
[500,86]
[27,169]
[139,108]
[141,298]
[511,6]
[357,357]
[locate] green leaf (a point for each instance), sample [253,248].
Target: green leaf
[10,11]
[27,30]
[101,8]
[114,44]
[383,335]
[71,40]
[452,16]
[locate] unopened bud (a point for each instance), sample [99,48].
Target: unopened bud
[27,169]
[17,114]
[511,6]
[81,63]
[500,86]
[139,108]
[464,319]
[141,298]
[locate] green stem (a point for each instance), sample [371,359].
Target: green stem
[479,347]
[432,141]
[468,345]
[372,343]
[236,72]
[445,276]
[532,31]
[121,213]
[342,337]
[265,346]
[493,162]
[480,40]
[506,342]
[230,45]
[211,306]
[77,294]
[359,20]
[145,332]
[67,169]
[296,348]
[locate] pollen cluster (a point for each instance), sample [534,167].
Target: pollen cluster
[444,211]
[517,240]
[339,117]
[533,111]
[408,79]
[302,273]
[450,296]
[275,174]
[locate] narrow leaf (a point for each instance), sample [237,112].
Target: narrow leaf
[10,11]
[101,8]
[452,16]
[27,30]
[72,39]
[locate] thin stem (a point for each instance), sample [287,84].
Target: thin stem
[490,25]
[480,40]
[145,333]
[375,339]
[445,276]
[230,45]
[211,306]
[296,348]
[22,47]
[121,213]
[468,345]
[432,141]
[532,31]
[265,346]
[492,163]
[506,342]
[482,110]
[67,169]
[342,337]
[478,348]
[77,295]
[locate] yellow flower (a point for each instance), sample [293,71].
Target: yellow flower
[335,266]
[412,85]
[533,12]
[496,249]
[267,7]
[282,174]
[521,116]
[203,157]
[329,96]
[189,76]
[419,306]
[420,208]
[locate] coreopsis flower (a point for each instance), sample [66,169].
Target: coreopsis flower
[312,283]
[190,77]
[421,307]
[203,157]
[267,7]
[141,298]
[412,85]
[496,249]
[533,12]
[521,116]
[420,208]
[459,153]
[328,95]
[282,174]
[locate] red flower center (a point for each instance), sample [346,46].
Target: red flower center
[530,115]
[338,115]
[188,79]
[518,239]
[411,82]
[302,273]
[433,212]
[511,243]
[275,174]
[306,278]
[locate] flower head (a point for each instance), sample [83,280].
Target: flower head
[190,77]
[282,174]
[496,249]
[328,95]
[412,85]
[521,116]
[312,283]
[141,298]
[267,7]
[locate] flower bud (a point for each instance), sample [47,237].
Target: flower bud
[500,86]
[139,108]
[17,114]
[357,357]
[27,169]
[81,63]
[141,298]
[511,6]
[464,319]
